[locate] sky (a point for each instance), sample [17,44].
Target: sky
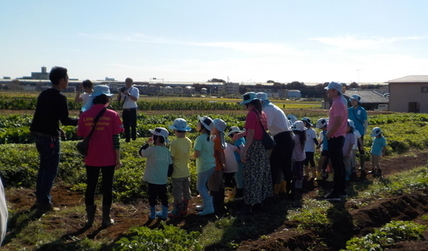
[195,40]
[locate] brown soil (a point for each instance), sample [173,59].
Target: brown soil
[282,234]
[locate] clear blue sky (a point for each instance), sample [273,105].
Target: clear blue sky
[243,41]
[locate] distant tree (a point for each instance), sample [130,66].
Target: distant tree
[216,80]
[353,85]
[270,82]
[296,85]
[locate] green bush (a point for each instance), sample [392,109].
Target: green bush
[167,237]
[387,236]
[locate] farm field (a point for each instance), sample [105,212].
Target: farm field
[306,224]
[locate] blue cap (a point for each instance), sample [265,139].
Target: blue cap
[335,86]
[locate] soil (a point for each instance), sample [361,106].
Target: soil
[279,234]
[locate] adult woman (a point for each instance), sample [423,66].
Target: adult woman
[257,177]
[103,153]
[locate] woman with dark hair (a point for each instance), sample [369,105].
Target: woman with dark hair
[103,153]
[257,177]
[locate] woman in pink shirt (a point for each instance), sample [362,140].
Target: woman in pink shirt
[257,177]
[103,153]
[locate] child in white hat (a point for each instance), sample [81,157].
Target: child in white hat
[377,151]
[205,163]
[158,166]
[180,149]
[234,165]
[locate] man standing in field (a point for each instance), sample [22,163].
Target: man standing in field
[129,96]
[51,108]
[280,159]
[336,130]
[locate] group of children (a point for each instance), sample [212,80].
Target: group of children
[219,166]
[323,170]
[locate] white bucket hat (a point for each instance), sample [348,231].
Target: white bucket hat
[321,123]
[292,118]
[160,131]
[375,132]
[206,122]
[180,124]
[233,129]
[98,90]
[299,125]
[351,123]
[262,96]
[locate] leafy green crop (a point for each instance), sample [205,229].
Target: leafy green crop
[167,237]
[391,233]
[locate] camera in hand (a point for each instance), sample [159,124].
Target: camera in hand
[123,89]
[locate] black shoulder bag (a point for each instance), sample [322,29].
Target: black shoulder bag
[82,146]
[267,141]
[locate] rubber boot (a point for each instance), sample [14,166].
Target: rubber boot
[163,215]
[201,207]
[318,175]
[239,194]
[152,214]
[106,217]
[313,173]
[330,177]
[208,206]
[216,200]
[363,175]
[175,211]
[306,172]
[90,213]
[283,187]
[183,207]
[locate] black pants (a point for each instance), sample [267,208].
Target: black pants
[280,158]
[129,117]
[157,191]
[92,173]
[336,158]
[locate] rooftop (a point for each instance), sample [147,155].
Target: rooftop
[411,79]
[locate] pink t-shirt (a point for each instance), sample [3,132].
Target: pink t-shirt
[338,108]
[101,151]
[252,122]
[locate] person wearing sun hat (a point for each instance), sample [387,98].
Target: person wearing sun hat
[311,142]
[104,150]
[336,130]
[156,171]
[239,144]
[205,163]
[280,158]
[299,157]
[377,151]
[257,176]
[215,183]
[358,114]
[180,149]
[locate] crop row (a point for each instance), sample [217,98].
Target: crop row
[19,162]
[29,103]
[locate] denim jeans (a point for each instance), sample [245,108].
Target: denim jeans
[201,183]
[49,151]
